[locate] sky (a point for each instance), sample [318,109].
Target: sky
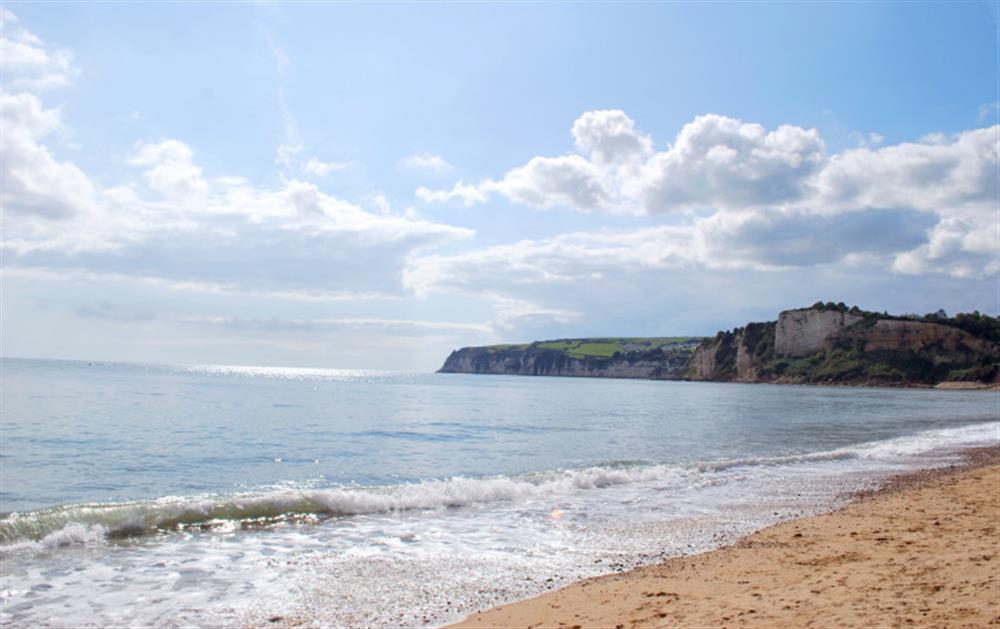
[374,185]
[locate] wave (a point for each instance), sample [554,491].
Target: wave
[90,522]
[128,519]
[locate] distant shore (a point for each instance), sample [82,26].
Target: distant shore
[923,550]
[826,343]
[952,385]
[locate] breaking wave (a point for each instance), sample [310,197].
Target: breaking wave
[50,529]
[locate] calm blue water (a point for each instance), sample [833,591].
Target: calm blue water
[125,483]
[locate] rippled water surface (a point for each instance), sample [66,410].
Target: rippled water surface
[145,494]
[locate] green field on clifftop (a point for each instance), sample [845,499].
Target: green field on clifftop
[601,347]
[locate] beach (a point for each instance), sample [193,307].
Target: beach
[921,551]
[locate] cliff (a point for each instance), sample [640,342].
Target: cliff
[829,343]
[657,358]
[735,355]
[825,343]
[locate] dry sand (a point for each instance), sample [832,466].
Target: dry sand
[922,552]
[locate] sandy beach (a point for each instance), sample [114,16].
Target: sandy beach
[922,551]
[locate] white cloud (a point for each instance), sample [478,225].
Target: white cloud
[941,174]
[313,166]
[359,323]
[609,137]
[469,194]
[715,162]
[119,280]
[512,313]
[32,180]
[293,239]
[956,247]
[764,240]
[171,171]
[27,62]
[425,161]
[633,279]
[726,166]
[554,181]
[575,258]
[545,182]
[722,162]
[221,234]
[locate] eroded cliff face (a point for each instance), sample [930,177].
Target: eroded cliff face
[533,361]
[831,345]
[801,332]
[942,343]
[733,355]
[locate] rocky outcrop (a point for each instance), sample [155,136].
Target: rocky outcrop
[831,344]
[532,360]
[733,355]
[942,343]
[804,331]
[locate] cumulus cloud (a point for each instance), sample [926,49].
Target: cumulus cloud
[726,166]
[610,137]
[945,174]
[723,162]
[171,170]
[27,62]
[33,181]
[715,161]
[425,161]
[554,181]
[957,247]
[545,182]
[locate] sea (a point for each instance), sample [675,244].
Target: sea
[154,495]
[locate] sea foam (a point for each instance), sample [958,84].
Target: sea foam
[92,522]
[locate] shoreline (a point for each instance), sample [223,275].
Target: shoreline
[921,549]
[944,385]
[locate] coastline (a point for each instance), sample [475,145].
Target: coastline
[946,385]
[922,549]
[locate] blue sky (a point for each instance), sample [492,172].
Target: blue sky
[359,185]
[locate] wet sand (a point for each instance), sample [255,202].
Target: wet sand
[922,551]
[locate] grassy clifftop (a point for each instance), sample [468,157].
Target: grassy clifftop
[600,347]
[602,357]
